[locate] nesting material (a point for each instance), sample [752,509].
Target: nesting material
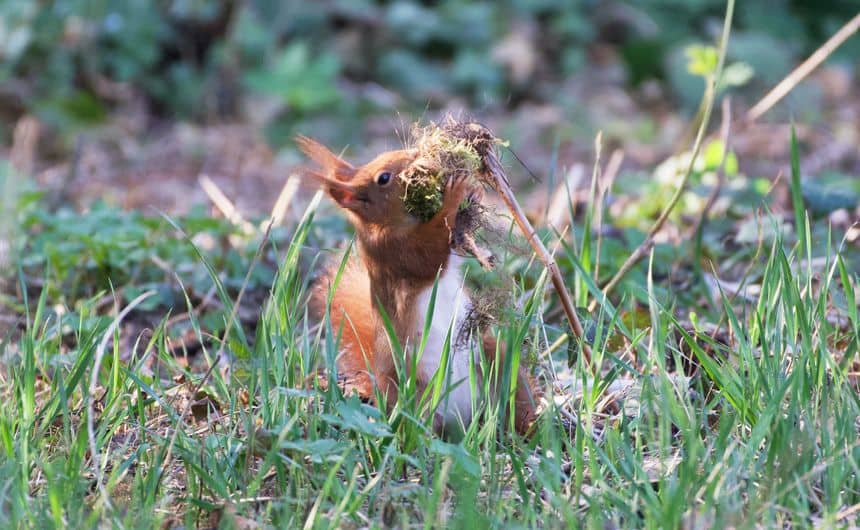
[452,149]
[469,149]
[448,150]
[441,157]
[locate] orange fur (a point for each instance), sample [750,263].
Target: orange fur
[528,393]
[351,316]
[400,258]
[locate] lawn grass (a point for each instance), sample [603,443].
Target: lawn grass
[745,415]
[708,408]
[164,372]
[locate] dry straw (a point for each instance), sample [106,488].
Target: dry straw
[464,149]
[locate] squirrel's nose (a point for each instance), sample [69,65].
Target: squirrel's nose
[347,195]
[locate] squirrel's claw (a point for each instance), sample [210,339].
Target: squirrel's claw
[458,189]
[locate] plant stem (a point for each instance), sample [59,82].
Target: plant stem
[708,104]
[500,181]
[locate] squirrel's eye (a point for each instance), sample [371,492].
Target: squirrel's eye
[383,178]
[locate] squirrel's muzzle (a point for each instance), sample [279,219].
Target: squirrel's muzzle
[347,195]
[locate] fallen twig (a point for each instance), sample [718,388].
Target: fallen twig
[220,200]
[806,67]
[708,103]
[94,380]
[497,173]
[725,129]
[279,211]
[698,229]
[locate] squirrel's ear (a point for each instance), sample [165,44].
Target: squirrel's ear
[322,155]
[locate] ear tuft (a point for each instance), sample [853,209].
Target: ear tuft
[322,155]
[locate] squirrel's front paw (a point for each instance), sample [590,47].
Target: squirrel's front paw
[457,191]
[475,196]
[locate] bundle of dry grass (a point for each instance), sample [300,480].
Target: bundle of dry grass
[442,156]
[451,149]
[466,149]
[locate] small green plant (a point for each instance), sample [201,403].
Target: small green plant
[80,256]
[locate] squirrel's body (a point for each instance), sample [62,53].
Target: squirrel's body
[450,312]
[400,261]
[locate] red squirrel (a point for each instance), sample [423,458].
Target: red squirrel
[400,260]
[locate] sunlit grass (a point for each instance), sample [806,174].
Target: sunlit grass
[762,431]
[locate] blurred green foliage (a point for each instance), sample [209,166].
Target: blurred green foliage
[73,61]
[82,256]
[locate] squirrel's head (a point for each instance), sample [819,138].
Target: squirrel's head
[372,194]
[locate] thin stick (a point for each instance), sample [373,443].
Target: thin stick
[279,211]
[218,356]
[220,200]
[806,67]
[500,182]
[725,129]
[94,381]
[698,229]
[708,100]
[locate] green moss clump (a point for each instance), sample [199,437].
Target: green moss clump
[424,195]
[441,156]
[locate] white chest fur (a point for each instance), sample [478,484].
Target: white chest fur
[450,311]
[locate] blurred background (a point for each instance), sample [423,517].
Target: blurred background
[145,143]
[130,101]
